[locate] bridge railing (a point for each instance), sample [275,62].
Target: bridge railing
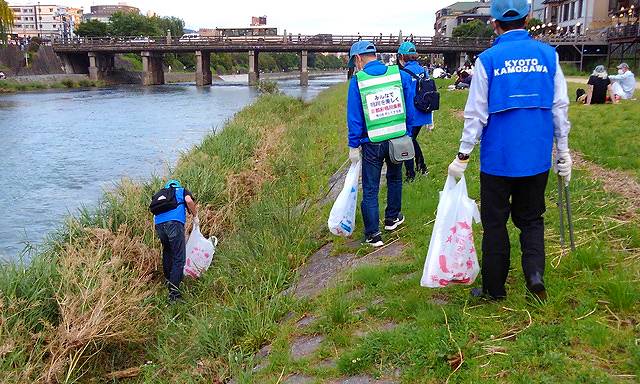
[328,40]
[624,31]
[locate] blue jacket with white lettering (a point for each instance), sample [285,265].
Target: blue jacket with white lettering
[518,138]
[418,118]
[355,114]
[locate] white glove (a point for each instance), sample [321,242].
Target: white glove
[354,154]
[563,164]
[457,168]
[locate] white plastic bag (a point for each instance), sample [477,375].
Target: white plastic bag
[452,257]
[200,251]
[342,218]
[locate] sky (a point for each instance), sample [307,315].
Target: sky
[307,17]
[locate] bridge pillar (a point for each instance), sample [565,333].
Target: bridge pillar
[152,68]
[254,69]
[100,65]
[203,68]
[304,70]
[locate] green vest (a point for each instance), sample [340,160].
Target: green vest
[383,104]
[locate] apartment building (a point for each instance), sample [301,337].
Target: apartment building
[582,16]
[448,18]
[46,21]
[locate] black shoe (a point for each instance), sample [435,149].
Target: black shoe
[535,285]
[374,241]
[392,224]
[480,294]
[424,171]
[410,179]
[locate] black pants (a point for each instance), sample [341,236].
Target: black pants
[419,159]
[523,198]
[171,234]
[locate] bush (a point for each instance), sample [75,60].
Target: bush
[69,83]
[268,87]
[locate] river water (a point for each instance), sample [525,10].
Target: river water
[60,150]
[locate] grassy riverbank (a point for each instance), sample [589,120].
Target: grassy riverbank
[92,307]
[9,86]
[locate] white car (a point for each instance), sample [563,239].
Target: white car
[142,39]
[187,37]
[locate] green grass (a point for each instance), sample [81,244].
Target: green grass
[134,59]
[377,320]
[9,86]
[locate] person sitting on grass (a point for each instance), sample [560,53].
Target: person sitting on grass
[599,87]
[624,84]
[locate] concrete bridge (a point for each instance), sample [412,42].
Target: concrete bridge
[95,56]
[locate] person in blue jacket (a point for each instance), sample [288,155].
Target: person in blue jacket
[385,101]
[408,62]
[170,230]
[517,109]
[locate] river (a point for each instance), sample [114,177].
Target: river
[61,149]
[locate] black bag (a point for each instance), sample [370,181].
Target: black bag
[427,98]
[579,93]
[164,200]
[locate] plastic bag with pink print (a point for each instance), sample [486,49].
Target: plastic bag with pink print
[452,257]
[200,251]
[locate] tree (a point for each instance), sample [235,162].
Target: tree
[533,23]
[92,28]
[173,24]
[6,21]
[133,24]
[475,28]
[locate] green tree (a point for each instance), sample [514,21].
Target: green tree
[173,24]
[474,28]
[6,21]
[533,23]
[92,28]
[132,24]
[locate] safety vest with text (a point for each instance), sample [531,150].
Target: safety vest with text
[383,104]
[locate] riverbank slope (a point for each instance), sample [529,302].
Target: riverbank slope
[93,305]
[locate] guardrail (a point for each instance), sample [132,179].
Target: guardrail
[624,32]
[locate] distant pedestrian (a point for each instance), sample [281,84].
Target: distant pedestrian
[2,75]
[624,83]
[170,206]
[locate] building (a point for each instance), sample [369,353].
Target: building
[448,18]
[537,9]
[258,21]
[579,17]
[104,12]
[46,21]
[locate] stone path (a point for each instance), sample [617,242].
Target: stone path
[321,268]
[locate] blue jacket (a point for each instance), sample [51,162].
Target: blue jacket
[179,214]
[355,114]
[418,117]
[518,138]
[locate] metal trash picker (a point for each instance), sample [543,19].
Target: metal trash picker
[561,203]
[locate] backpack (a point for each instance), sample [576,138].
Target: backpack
[427,98]
[164,200]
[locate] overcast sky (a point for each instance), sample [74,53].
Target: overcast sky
[306,17]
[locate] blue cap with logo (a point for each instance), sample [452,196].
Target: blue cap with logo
[517,9]
[407,48]
[173,183]
[360,48]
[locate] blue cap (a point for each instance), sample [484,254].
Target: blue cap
[360,48]
[499,8]
[174,183]
[407,48]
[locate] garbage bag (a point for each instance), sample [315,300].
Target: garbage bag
[342,218]
[452,257]
[200,251]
